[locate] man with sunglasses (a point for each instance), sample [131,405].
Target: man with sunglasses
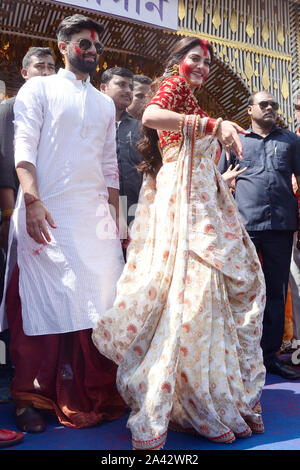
[268,206]
[69,252]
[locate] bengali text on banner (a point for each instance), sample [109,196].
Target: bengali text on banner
[162,13]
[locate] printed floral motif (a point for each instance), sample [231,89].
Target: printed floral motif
[132,328]
[189,309]
[166,386]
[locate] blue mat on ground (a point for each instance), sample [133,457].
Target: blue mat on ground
[281,413]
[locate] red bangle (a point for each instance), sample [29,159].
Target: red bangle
[210,126]
[32,201]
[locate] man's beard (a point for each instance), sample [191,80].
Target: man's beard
[81,65]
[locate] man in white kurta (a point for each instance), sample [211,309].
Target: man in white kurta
[66,129]
[69,251]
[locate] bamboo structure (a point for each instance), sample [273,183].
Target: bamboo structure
[258,40]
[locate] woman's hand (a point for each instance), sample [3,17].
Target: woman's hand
[227,134]
[231,173]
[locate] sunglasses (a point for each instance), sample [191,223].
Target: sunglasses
[297,107]
[86,44]
[265,104]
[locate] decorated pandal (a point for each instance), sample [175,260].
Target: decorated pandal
[256,44]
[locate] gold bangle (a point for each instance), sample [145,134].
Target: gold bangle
[180,128]
[216,127]
[197,127]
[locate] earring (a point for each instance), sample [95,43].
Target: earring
[175,69]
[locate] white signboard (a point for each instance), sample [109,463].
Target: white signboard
[163,13]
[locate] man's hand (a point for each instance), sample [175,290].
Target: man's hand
[125,243]
[123,230]
[36,217]
[37,213]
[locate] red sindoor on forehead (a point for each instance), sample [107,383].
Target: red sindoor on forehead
[205,50]
[204,46]
[93,34]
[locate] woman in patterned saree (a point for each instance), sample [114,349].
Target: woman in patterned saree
[186,324]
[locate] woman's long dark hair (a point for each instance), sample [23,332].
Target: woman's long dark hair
[148,146]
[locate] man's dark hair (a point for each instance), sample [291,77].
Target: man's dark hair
[251,99]
[252,96]
[36,52]
[143,79]
[74,24]
[109,73]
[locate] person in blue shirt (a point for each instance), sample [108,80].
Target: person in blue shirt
[268,206]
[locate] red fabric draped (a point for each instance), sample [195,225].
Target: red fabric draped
[63,373]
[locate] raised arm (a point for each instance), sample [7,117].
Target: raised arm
[161,115]
[161,119]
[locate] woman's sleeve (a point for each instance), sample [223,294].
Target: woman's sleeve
[172,94]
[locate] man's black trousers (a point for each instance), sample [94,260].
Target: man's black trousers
[275,248]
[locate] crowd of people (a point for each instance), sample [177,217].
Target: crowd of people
[147,246]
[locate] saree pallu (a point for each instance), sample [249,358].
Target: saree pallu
[186,324]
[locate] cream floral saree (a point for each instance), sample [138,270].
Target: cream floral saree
[186,324]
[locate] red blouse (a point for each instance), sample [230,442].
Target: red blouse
[174,94]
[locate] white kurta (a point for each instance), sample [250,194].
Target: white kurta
[66,128]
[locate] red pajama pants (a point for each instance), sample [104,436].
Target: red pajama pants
[62,373]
